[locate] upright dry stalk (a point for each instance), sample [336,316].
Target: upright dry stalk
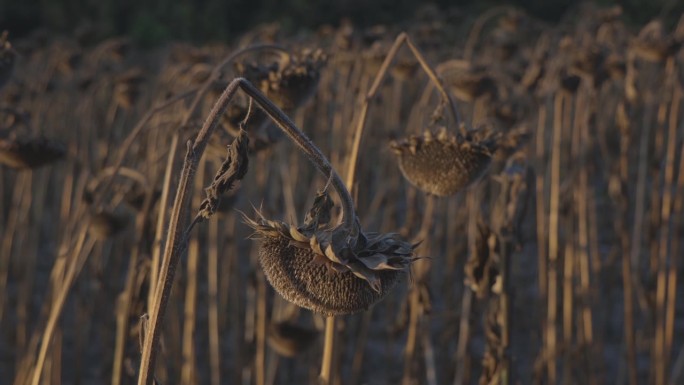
[260,355]
[79,254]
[28,264]
[462,375]
[188,369]
[213,305]
[620,196]
[637,229]
[663,329]
[161,219]
[416,297]
[123,303]
[542,228]
[173,245]
[554,241]
[582,198]
[11,227]
[675,262]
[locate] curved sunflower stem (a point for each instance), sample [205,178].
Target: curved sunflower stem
[176,236]
[309,149]
[403,38]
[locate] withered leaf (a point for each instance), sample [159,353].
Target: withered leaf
[232,170]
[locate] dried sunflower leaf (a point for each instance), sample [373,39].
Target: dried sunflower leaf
[232,170]
[379,262]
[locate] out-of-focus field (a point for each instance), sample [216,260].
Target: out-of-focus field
[577,232]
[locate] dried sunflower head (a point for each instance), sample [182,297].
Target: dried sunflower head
[326,269]
[25,153]
[288,82]
[441,164]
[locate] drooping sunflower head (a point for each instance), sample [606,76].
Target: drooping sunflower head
[325,269]
[441,164]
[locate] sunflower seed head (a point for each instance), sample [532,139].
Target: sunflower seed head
[26,153]
[326,269]
[439,164]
